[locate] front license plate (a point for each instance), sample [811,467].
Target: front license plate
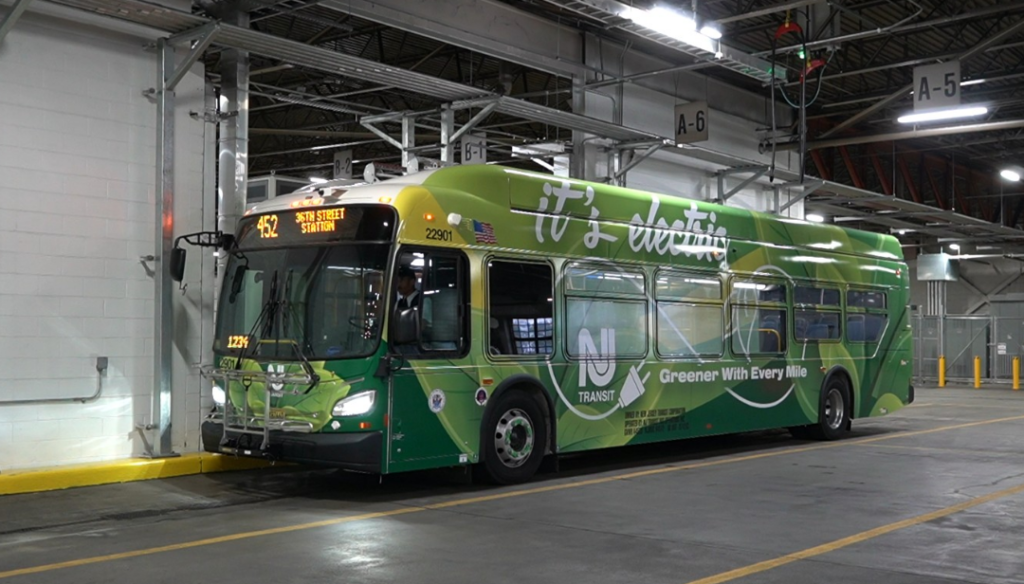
[278,413]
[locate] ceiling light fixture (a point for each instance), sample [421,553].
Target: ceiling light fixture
[1010,175]
[943,114]
[711,30]
[970,82]
[814,218]
[678,25]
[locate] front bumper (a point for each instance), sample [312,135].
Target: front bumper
[360,451]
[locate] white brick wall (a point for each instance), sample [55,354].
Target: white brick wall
[77,153]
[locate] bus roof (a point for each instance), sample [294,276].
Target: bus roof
[480,191]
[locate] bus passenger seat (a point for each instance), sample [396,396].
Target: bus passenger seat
[855,330]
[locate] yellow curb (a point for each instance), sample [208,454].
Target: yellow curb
[120,471]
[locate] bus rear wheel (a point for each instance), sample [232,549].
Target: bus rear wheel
[833,413]
[513,439]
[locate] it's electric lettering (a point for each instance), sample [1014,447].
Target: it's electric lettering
[697,236]
[690,238]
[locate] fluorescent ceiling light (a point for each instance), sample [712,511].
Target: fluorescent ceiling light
[943,114]
[1010,175]
[972,82]
[954,246]
[711,30]
[317,180]
[814,218]
[677,25]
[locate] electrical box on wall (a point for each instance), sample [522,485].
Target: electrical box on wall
[937,267]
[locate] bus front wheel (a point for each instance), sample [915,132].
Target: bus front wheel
[833,413]
[514,438]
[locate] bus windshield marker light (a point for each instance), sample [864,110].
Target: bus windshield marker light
[943,114]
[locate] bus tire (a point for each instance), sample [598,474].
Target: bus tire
[513,439]
[833,411]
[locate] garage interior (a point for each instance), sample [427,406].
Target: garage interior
[126,123]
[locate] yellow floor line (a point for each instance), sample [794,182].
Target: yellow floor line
[120,471]
[853,539]
[494,497]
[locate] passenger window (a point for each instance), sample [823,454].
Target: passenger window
[429,303]
[865,328]
[606,327]
[865,299]
[816,325]
[813,295]
[866,320]
[520,300]
[759,317]
[606,312]
[689,319]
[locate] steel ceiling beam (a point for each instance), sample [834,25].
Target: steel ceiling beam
[12,16]
[899,93]
[908,135]
[485,26]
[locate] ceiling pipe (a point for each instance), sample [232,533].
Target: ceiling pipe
[907,135]
[902,28]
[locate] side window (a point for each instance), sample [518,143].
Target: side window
[689,319]
[519,305]
[817,315]
[606,312]
[759,317]
[428,303]
[866,319]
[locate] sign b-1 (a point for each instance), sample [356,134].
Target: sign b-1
[937,86]
[692,122]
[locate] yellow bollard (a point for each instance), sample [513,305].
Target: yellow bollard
[977,372]
[942,371]
[1016,373]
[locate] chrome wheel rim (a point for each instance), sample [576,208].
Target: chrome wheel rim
[834,408]
[513,438]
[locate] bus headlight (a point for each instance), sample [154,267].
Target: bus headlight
[354,405]
[218,395]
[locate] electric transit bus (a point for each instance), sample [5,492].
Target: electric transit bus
[488,316]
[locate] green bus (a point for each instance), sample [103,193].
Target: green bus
[490,316]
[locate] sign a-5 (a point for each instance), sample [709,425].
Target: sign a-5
[937,86]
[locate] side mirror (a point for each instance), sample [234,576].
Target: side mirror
[178,264]
[237,281]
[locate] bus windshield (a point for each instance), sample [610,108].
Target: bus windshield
[322,302]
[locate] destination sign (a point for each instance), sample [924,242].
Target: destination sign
[305,225]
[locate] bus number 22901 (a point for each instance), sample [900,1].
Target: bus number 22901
[439,234]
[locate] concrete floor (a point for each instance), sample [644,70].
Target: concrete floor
[700,511]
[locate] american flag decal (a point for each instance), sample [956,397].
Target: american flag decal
[484,232]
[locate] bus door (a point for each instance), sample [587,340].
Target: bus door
[431,396]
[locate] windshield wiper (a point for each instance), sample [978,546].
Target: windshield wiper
[265,318]
[286,310]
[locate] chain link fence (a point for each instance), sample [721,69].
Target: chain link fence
[997,340]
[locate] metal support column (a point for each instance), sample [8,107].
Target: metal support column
[164,322]
[20,6]
[578,160]
[168,77]
[409,160]
[447,131]
[614,166]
